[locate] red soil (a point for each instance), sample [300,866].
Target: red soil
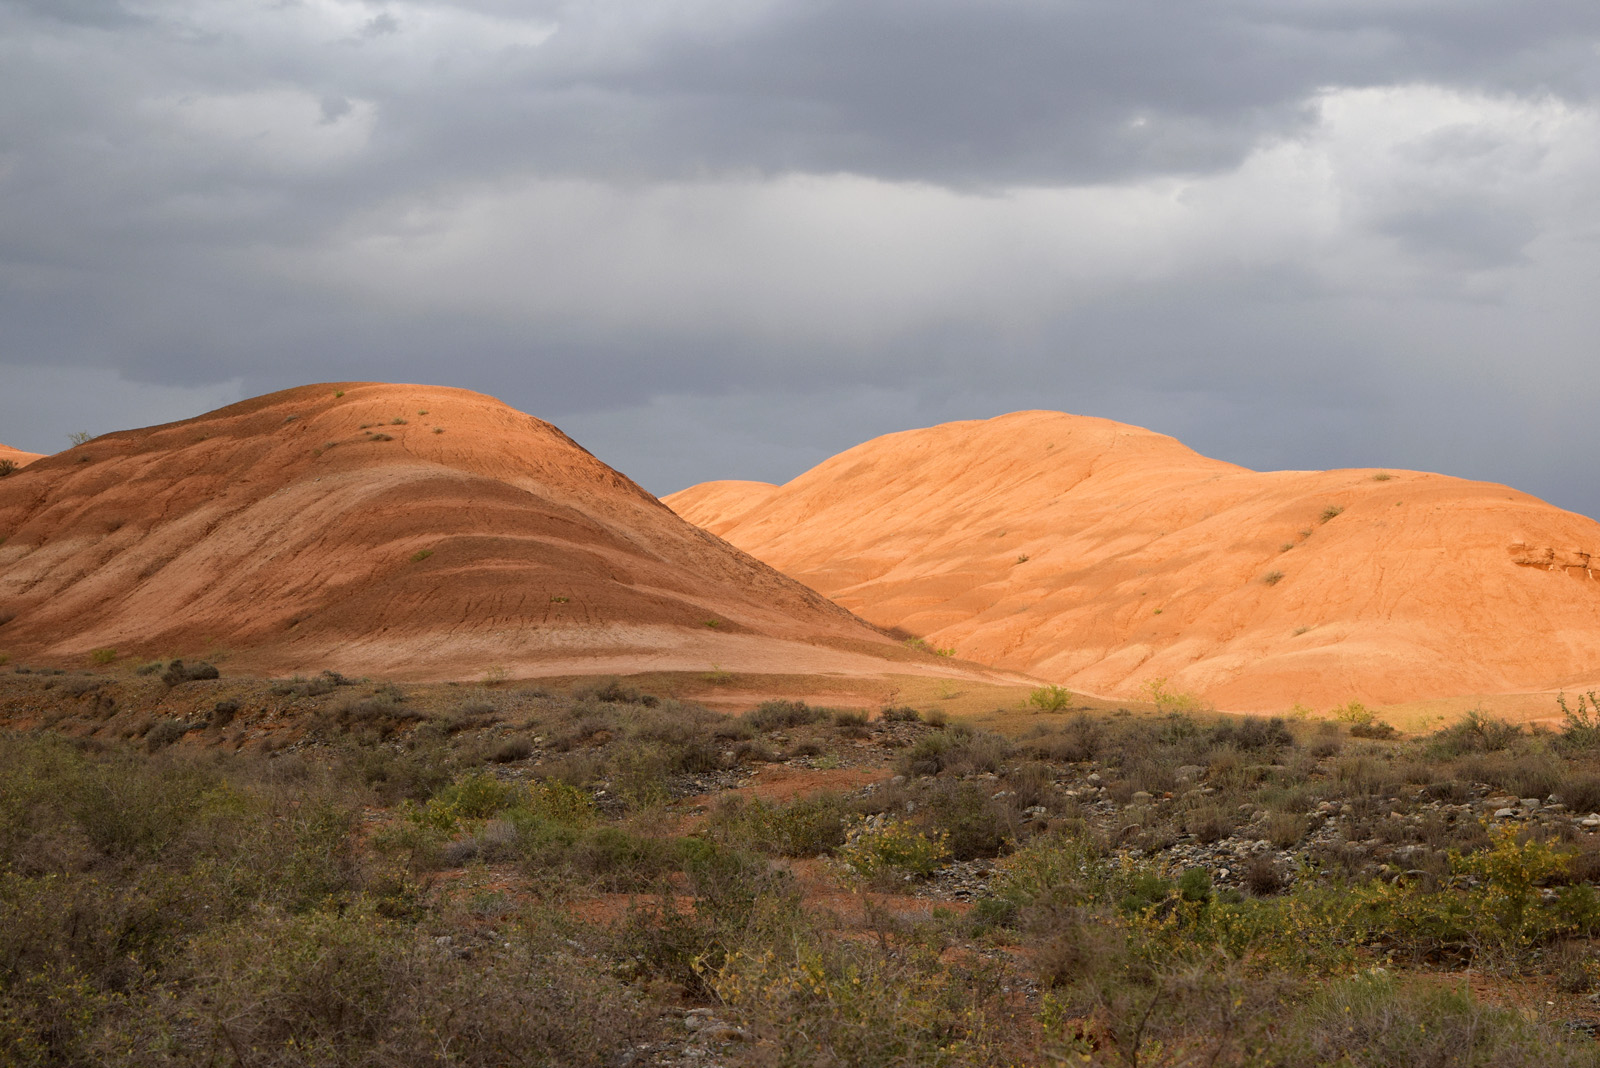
[18,457]
[338,526]
[1103,556]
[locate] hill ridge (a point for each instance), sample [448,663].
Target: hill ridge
[416,531]
[1106,556]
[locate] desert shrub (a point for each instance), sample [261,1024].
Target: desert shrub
[1050,873]
[1354,713]
[885,852]
[1050,698]
[475,796]
[1574,968]
[1377,730]
[964,816]
[958,751]
[1166,699]
[1080,739]
[1252,735]
[1524,774]
[1580,793]
[805,827]
[8,467]
[848,718]
[103,656]
[1208,823]
[511,749]
[778,715]
[1325,745]
[837,1002]
[178,672]
[1474,733]
[741,904]
[754,753]
[612,691]
[359,988]
[164,733]
[110,865]
[1378,1019]
[1285,829]
[1263,875]
[1032,784]
[1580,728]
[614,858]
[900,714]
[79,686]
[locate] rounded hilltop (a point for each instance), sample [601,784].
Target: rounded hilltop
[16,459]
[411,530]
[1105,557]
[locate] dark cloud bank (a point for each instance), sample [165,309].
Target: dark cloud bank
[727,239]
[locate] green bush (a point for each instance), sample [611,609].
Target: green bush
[1050,698]
[887,852]
[778,715]
[805,827]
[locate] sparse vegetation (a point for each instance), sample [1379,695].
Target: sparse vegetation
[566,878]
[1272,578]
[421,555]
[8,467]
[1382,476]
[1051,698]
[80,437]
[103,656]
[1331,511]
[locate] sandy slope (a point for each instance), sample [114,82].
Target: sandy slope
[18,457]
[307,529]
[1102,556]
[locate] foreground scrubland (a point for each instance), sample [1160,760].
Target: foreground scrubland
[323,871]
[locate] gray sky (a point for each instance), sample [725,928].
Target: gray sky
[728,238]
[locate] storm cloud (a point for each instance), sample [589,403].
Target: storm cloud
[718,239]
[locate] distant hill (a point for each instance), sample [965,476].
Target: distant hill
[18,457]
[413,531]
[1104,556]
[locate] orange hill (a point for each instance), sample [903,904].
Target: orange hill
[1104,556]
[405,530]
[18,457]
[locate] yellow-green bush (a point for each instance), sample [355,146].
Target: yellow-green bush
[884,851]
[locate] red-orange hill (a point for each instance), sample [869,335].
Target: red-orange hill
[406,530]
[18,458]
[1105,556]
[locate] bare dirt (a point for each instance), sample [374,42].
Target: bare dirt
[408,531]
[1104,556]
[18,457]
